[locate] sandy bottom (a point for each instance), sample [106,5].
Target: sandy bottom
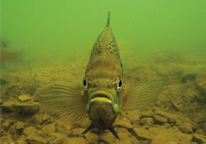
[177,117]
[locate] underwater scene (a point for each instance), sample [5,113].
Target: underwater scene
[103,72]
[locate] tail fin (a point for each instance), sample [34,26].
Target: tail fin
[108,19]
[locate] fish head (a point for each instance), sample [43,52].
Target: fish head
[102,90]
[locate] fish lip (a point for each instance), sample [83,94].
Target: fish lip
[101,93]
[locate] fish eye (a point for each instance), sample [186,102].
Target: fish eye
[85,83]
[119,84]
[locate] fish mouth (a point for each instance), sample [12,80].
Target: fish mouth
[101,96]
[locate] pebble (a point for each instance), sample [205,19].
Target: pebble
[199,138]
[133,115]
[29,130]
[142,134]
[159,119]
[19,126]
[21,140]
[8,106]
[124,122]
[37,119]
[92,138]
[186,127]
[147,121]
[33,138]
[6,140]
[24,98]
[28,108]
[50,128]
[148,113]
[76,140]
[171,118]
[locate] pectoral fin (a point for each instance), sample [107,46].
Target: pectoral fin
[63,102]
[142,95]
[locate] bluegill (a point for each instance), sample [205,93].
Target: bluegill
[103,96]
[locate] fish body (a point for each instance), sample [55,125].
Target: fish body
[102,99]
[103,81]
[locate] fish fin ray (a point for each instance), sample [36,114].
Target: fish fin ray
[142,95]
[63,102]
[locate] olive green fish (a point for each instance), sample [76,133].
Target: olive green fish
[103,97]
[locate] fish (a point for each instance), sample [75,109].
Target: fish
[102,97]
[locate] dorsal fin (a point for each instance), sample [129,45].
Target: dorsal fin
[108,19]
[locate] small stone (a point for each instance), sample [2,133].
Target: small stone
[76,140]
[171,118]
[199,138]
[50,128]
[21,140]
[19,126]
[159,119]
[37,119]
[148,113]
[92,138]
[133,115]
[124,122]
[186,127]
[142,134]
[28,108]
[33,138]
[147,121]
[76,132]
[56,138]
[24,98]
[6,140]
[8,106]
[29,130]
[107,137]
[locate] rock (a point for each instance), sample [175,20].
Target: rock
[159,119]
[37,119]
[7,124]
[171,118]
[28,108]
[148,113]
[147,121]
[33,138]
[133,115]
[21,140]
[46,118]
[50,128]
[24,98]
[6,140]
[107,137]
[56,138]
[186,127]
[76,132]
[29,130]
[199,138]
[8,106]
[124,122]
[76,140]
[142,134]
[85,123]
[19,126]
[13,132]
[92,138]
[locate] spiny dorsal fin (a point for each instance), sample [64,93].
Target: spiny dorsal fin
[108,19]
